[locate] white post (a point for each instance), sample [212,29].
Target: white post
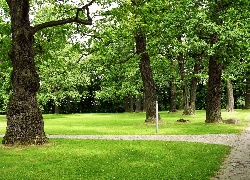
[157,118]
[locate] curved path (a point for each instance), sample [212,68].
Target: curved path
[225,139]
[235,167]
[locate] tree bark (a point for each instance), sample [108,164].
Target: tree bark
[194,83]
[125,100]
[213,109]
[25,124]
[186,110]
[230,97]
[172,94]
[147,78]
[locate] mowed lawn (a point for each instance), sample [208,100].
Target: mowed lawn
[112,159]
[106,159]
[133,124]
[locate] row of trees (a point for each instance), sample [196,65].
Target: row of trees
[135,48]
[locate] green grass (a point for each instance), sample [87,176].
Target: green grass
[133,124]
[104,159]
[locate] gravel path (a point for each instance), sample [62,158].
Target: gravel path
[225,139]
[235,167]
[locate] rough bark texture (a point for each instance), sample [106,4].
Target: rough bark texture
[230,97]
[172,97]
[24,119]
[213,109]
[147,78]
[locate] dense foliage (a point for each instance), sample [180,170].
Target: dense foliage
[95,69]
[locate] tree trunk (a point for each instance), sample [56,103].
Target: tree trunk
[125,100]
[186,110]
[57,109]
[24,118]
[147,78]
[213,109]
[172,96]
[247,97]
[230,97]
[194,84]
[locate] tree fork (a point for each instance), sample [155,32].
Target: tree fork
[24,118]
[25,124]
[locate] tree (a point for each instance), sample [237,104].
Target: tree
[124,40]
[224,30]
[147,77]
[24,118]
[230,97]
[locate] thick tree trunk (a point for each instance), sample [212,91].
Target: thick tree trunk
[186,110]
[24,119]
[230,97]
[213,109]
[172,97]
[247,96]
[147,78]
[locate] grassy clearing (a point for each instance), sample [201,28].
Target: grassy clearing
[103,159]
[133,124]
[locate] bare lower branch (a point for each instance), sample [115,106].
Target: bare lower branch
[75,19]
[60,22]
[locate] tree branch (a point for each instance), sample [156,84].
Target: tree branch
[60,22]
[75,19]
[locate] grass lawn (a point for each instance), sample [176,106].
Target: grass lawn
[105,159]
[133,124]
